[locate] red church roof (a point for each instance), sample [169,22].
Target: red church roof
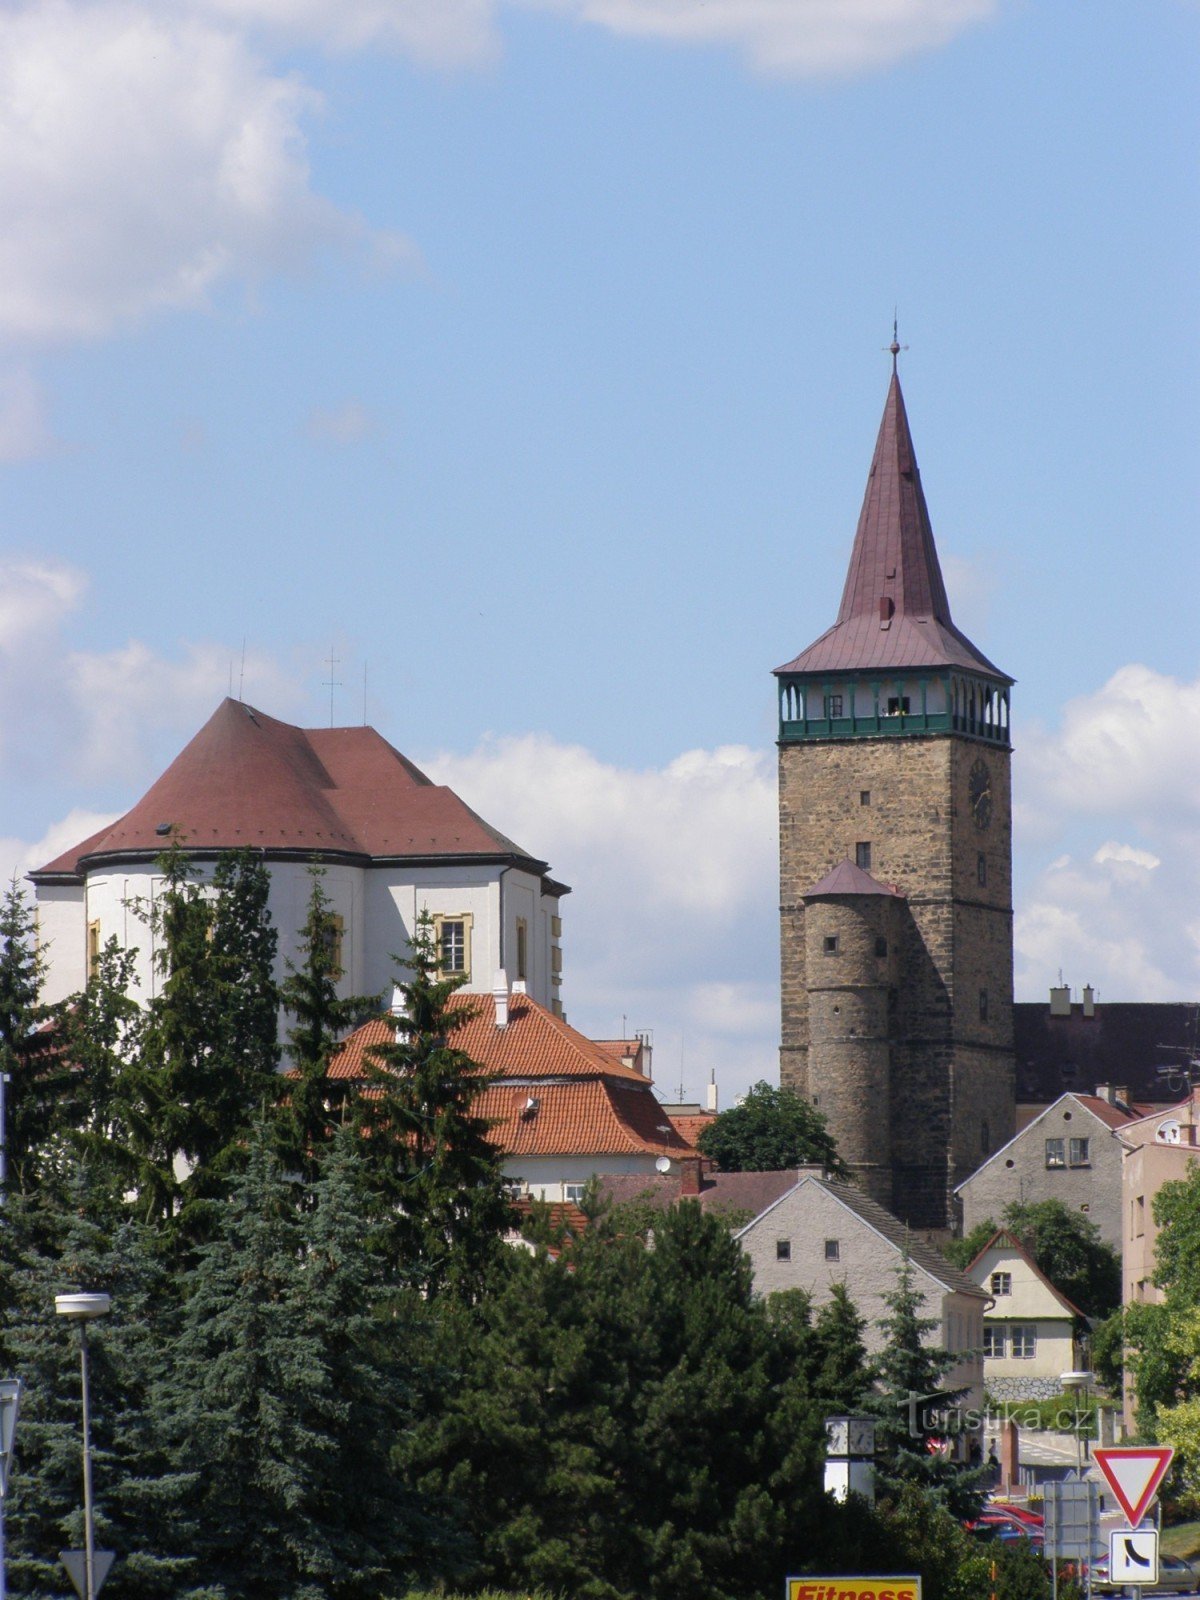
[248,779]
[584,1101]
[894,613]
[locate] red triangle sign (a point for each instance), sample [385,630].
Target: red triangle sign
[1134,1473]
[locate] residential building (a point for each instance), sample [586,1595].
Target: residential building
[1156,1149]
[1029,1327]
[390,843]
[563,1107]
[1066,1153]
[895,835]
[1066,1045]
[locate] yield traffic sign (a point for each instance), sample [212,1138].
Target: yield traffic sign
[1134,1473]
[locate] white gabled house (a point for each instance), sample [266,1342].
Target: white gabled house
[1030,1328]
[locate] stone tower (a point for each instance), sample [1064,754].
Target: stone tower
[895,844]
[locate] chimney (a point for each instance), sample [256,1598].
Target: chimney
[646,1040]
[519,986]
[1060,1000]
[500,996]
[710,1098]
[1109,1094]
[1089,1000]
[689,1177]
[398,1006]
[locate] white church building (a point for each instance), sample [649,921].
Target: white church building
[391,844]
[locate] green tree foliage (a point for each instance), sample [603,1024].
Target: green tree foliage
[909,1371]
[841,1376]
[771,1130]
[436,1176]
[629,1422]
[40,1097]
[245,998]
[51,1247]
[1162,1347]
[1066,1246]
[314,1103]
[288,1393]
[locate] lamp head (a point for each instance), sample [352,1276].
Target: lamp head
[82,1307]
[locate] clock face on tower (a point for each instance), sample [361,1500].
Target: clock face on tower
[979,792]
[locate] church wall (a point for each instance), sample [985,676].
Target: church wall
[62,939]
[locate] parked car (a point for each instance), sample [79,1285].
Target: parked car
[1008,1508]
[1174,1577]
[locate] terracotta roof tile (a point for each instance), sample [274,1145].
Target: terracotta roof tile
[894,611]
[248,779]
[588,1103]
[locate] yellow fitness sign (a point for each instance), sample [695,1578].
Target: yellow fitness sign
[853,1589]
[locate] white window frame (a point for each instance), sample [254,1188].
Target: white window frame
[1024,1341]
[1001,1283]
[995,1334]
[439,923]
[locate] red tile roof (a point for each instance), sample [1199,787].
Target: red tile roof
[588,1103]
[248,779]
[690,1127]
[894,612]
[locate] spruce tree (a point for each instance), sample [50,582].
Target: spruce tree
[39,1097]
[313,1103]
[289,1393]
[440,1204]
[842,1373]
[909,1371]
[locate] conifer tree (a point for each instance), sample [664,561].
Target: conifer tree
[100,1031]
[909,1372]
[440,1204]
[842,1372]
[290,1393]
[39,1099]
[245,999]
[313,1103]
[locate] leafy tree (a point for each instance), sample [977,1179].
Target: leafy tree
[909,1372]
[436,1177]
[288,1393]
[771,1130]
[40,1098]
[1066,1246]
[1159,1338]
[315,1103]
[629,1422]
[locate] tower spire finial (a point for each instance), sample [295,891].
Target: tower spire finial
[895,347]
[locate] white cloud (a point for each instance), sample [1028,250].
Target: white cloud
[147,156]
[95,715]
[19,856]
[1119,784]
[439,33]
[672,922]
[800,38]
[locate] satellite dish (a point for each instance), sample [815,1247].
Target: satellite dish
[663,1164]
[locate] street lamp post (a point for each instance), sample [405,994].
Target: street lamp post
[82,1309]
[1077,1383]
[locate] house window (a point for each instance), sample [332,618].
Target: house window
[573,1192]
[881,946]
[833,1250]
[983,1005]
[556,927]
[833,705]
[897,705]
[1139,1216]
[1024,1341]
[1055,1153]
[994,1342]
[981,869]
[831,944]
[453,937]
[522,948]
[1001,1283]
[1079,1151]
[783,1249]
[331,943]
[864,797]
[93,948]
[862,855]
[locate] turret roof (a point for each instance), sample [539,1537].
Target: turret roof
[894,612]
[846,878]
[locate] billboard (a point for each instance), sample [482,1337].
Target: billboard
[832,1588]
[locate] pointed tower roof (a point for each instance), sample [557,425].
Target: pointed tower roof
[846,878]
[894,613]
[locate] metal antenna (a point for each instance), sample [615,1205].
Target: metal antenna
[334,683]
[364,694]
[242,673]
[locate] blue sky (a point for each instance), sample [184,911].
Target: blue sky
[528,354]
